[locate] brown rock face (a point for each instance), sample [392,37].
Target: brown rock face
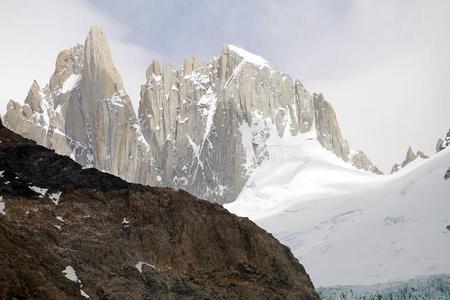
[116,240]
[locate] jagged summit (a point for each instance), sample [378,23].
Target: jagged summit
[204,127]
[246,55]
[98,67]
[410,157]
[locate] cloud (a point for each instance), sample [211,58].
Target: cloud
[33,33]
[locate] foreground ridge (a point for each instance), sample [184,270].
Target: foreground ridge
[68,232]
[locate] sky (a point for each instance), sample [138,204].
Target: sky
[383,65]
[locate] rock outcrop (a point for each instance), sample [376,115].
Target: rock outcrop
[410,157]
[442,144]
[203,127]
[68,232]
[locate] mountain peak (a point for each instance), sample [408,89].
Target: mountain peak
[98,67]
[410,157]
[96,31]
[247,56]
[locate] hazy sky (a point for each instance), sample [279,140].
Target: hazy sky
[384,65]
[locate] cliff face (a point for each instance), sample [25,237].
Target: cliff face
[67,232]
[204,127]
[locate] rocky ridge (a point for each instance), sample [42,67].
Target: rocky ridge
[442,144]
[68,232]
[410,157]
[204,127]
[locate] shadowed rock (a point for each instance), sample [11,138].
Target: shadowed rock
[117,240]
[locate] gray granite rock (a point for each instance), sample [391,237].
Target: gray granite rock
[203,127]
[410,157]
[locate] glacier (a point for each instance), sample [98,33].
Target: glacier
[350,227]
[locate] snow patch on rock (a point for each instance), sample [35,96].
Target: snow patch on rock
[249,57]
[38,190]
[140,264]
[2,206]
[69,273]
[70,83]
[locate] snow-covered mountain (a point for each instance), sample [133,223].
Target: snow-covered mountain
[347,226]
[203,127]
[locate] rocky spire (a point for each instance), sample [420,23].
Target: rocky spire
[111,123]
[101,79]
[328,130]
[34,97]
[410,157]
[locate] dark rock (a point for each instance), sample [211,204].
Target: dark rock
[447,174]
[442,144]
[103,227]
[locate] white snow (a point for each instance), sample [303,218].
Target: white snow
[249,57]
[59,218]
[2,206]
[83,293]
[350,227]
[70,274]
[207,105]
[1,173]
[117,98]
[38,190]
[70,83]
[55,197]
[141,263]
[198,79]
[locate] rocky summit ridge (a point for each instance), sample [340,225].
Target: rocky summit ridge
[410,157]
[203,127]
[68,232]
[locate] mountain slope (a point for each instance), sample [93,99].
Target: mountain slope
[67,232]
[349,227]
[202,127]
